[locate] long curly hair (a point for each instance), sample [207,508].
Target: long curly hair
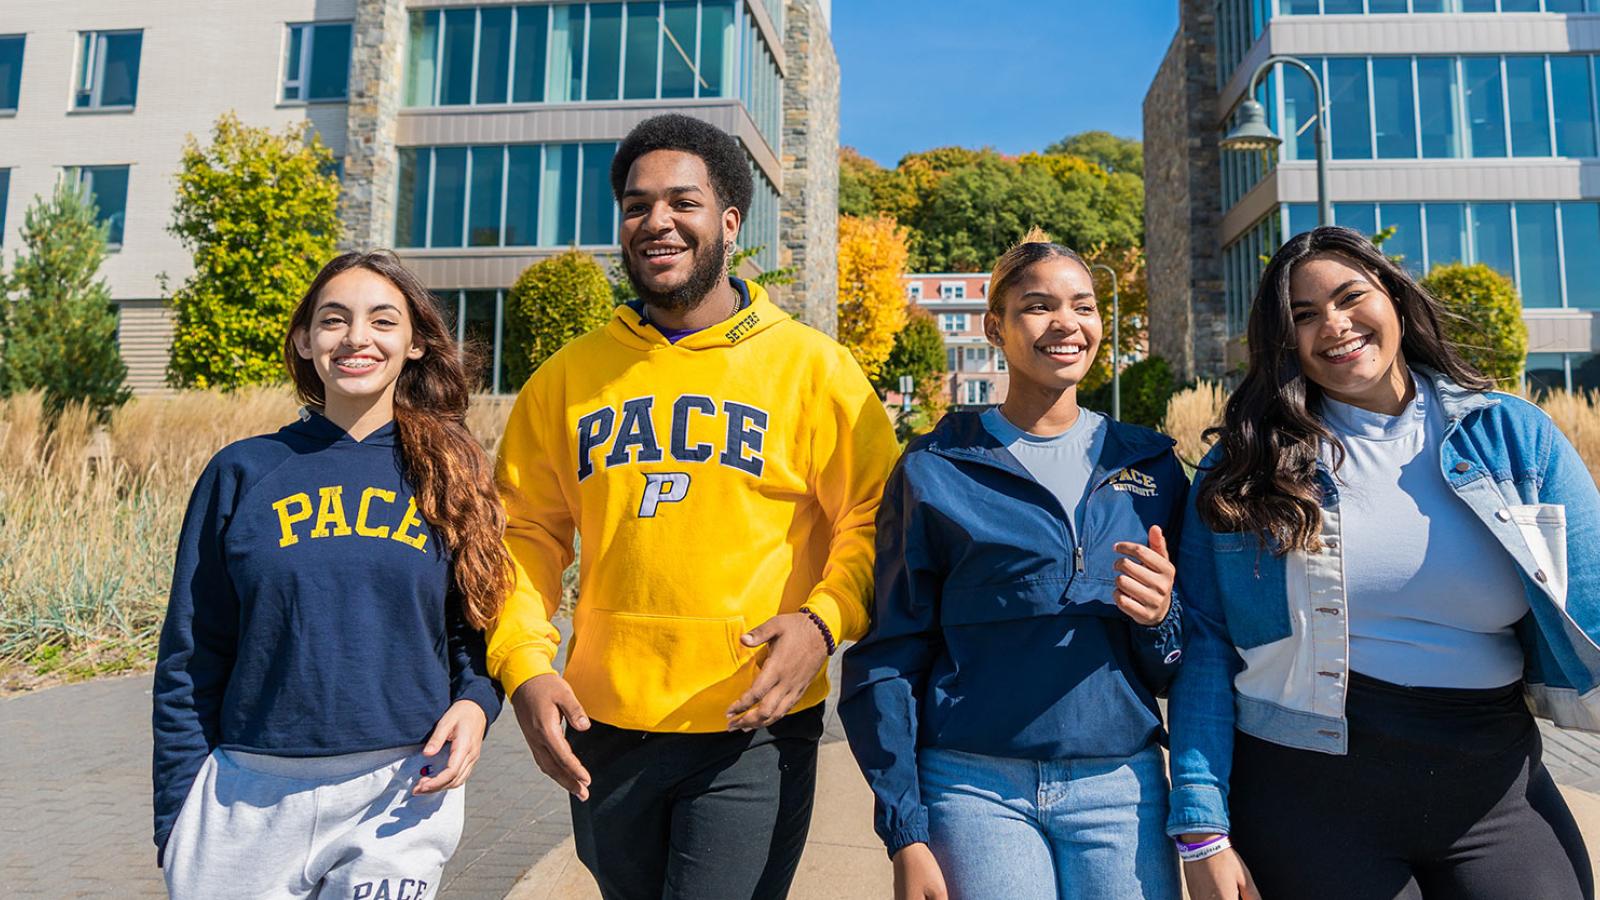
[452,476]
[1264,480]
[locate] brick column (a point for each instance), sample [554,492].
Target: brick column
[809,220]
[377,83]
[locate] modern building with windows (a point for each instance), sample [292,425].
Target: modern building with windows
[975,370]
[473,136]
[1469,127]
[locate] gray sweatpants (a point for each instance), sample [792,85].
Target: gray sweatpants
[286,828]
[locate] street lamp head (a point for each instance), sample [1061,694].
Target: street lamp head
[1252,132]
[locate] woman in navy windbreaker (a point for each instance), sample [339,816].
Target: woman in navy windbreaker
[1002,705]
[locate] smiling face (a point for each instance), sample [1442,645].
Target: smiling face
[359,337]
[1347,332]
[1049,325]
[675,231]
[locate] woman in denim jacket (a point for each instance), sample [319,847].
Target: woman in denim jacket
[1384,565]
[1002,705]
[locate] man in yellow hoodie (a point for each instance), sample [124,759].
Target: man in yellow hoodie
[721,464]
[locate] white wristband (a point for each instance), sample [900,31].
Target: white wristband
[1206,852]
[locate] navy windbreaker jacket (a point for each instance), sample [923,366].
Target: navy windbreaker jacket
[994,629]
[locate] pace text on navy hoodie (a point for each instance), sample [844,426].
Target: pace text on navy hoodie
[994,631]
[312,611]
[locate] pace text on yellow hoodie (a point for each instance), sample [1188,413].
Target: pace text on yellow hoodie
[714,483]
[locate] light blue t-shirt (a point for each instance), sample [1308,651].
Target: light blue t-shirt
[1432,595]
[1062,462]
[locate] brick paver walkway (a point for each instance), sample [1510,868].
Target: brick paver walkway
[77,816]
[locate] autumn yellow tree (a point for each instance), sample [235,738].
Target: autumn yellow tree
[872,298]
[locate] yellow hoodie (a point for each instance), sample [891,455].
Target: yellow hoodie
[713,483]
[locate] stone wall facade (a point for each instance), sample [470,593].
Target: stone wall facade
[809,220]
[1183,190]
[371,163]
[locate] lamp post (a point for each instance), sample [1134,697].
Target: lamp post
[1252,132]
[1116,342]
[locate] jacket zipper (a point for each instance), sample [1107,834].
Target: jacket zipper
[1077,557]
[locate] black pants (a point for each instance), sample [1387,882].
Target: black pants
[1442,796]
[719,816]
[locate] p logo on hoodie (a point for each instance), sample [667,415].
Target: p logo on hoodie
[662,487]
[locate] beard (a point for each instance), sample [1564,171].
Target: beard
[708,270]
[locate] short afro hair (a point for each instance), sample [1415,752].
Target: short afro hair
[724,158]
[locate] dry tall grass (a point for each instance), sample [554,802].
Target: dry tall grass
[1578,417]
[1189,413]
[91,516]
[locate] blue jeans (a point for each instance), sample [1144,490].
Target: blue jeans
[1058,830]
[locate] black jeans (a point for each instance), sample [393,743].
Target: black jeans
[1442,795]
[720,816]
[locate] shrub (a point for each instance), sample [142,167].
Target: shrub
[259,212]
[553,301]
[60,336]
[872,301]
[1147,385]
[1484,319]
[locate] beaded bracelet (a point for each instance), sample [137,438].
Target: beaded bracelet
[827,633]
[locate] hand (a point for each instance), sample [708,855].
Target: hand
[1219,877]
[796,652]
[462,727]
[917,875]
[541,703]
[1144,589]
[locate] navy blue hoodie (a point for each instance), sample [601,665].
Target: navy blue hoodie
[993,632]
[312,611]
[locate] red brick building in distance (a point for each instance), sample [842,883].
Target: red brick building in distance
[975,371]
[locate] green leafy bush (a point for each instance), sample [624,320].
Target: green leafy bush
[1483,319]
[553,301]
[1147,385]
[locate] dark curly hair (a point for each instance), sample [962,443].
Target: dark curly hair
[725,160]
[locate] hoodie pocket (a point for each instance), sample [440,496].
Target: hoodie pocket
[643,671]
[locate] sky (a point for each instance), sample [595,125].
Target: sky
[1016,75]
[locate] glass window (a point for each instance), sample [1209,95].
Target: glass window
[1436,99]
[108,69]
[522,195]
[1564,6]
[1299,108]
[455,84]
[1298,7]
[478,331]
[1546,372]
[527,81]
[1363,217]
[1572,98]
[1537,255]
[10,70]
[1486,125]
[1519,5]
[605,50]
[107,186]
[1302,218]
[680,37]
[1386,6]
[565,79]
[1433,6]
[411,204]
[1491,236]
[1530,106]
[1394,112]
[1447,233]
[1406,242]
[1585,371]
[1477,6]
[1350,110]
[644,38]
[1580,238]
[494,53]
[422,61]
[1342,7]
[558,215]
[317,66]
[483,215]
[716,48]
[449,196]
[599,209]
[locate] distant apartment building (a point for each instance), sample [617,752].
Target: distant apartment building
[474,136]
[975,371]
[1467,126]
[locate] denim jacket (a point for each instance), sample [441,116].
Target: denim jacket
[994,630]
[1267,647]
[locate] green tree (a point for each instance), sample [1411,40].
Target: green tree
[60,334]
[1147,385]
[258,211]
[1483,318]
[860,181]
[1112,153]
[553,301]
[918,352]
